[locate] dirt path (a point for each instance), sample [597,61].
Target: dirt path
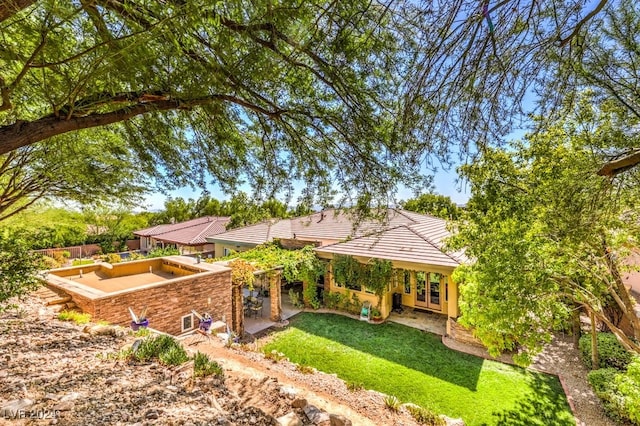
[327,392]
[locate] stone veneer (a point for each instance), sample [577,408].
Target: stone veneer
[167,302]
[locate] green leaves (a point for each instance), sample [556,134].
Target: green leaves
[535,227]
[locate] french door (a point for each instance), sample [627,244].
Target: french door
[428,294]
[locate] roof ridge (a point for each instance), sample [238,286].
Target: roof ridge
[428,240]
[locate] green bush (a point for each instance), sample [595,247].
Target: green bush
[164,348]
[112,258]
[75,316]
[294,298]
[161,252]
[203,366]
[332,300]
[425,416]
[602,379]
[628,386]
[611,353]
[50,263]
[619,391]
[310,295]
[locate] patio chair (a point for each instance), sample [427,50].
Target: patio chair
[365,312]
[257,307]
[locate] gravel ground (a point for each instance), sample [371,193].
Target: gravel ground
[74,377]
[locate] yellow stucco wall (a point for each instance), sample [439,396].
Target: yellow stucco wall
[219,248]
[448,295]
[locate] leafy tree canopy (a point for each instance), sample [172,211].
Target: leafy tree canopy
[267,92]
[547,234]
[242,209]
[433,204]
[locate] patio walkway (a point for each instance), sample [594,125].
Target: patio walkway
[422,320]
[256,325]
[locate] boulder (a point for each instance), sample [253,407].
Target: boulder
[316,415]
[290,419]
[339,420]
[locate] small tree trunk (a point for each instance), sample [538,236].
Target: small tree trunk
[595,362]
[577,332]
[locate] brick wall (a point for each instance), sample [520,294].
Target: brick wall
[167,303]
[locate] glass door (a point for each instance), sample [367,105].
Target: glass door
[421,289]
[434,291]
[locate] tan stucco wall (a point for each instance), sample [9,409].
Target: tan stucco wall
[219,248]
[448,306]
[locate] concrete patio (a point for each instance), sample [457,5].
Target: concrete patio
[253,325]
[422,320]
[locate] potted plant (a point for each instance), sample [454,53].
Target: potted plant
[376,315]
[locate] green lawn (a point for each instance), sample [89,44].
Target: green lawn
[416,367]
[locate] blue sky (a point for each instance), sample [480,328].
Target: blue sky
[444,181]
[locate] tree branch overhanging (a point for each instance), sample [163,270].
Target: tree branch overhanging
[619,165]
[23,133]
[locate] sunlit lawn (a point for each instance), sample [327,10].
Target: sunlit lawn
[416,367]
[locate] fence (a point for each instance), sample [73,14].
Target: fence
[85,250]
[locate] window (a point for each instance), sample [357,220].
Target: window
[407,281]
[187,322]
[226,252]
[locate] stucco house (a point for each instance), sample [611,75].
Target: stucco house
[414,243]
[188,237]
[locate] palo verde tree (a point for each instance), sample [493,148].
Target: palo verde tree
[79,167]
[547,235]
[267,93]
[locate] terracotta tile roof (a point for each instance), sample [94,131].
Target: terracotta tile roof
[192,232]
[418,243]
[258,233]
[326,225]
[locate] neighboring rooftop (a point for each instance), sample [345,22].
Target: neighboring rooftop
[191,233]
[330,224]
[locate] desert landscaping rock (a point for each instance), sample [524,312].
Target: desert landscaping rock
[315,415]
[339,420]
[290,419]
[46,361]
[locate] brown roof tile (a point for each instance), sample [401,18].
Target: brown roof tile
[191,232]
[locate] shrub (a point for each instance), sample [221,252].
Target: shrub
[136,256]
[355,386]
[164,348]
[611,353]
[305,369]
[161,252]
[425,416]
[275,356]
[310,295]
[75,316]
[294,298]
[112,258]
[50,263]
[332,300]
[392,403]
[619,392]
[203,366]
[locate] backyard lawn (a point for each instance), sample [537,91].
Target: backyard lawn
[416,367]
